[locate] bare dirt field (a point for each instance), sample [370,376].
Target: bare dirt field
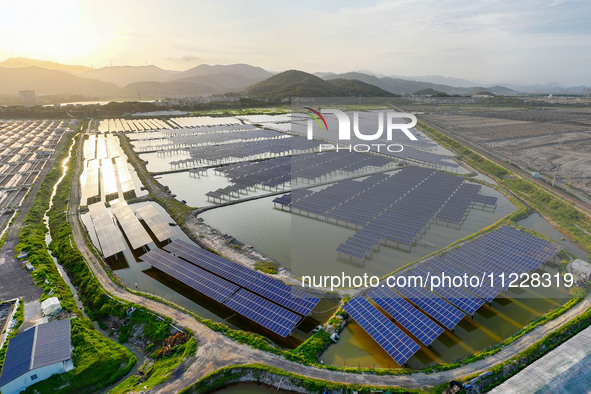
[551,141]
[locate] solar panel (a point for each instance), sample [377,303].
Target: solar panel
[391,338]
[272,289]
[269,315]
[458,296]
[18,356]
[419,325]
[156,222]
[52,343]
[194,277]
[440,310]
[136,234]
[486,291]
[110,239]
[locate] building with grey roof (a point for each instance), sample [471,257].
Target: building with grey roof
[37,354]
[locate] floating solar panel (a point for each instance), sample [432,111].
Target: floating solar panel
[272,289]
[458,296]
[440,310]
[136,234]
[194,277]
[391,338]
[156,222]
[419,325]
[485,291]
[110,239]
[267,314]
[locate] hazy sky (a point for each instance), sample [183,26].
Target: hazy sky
[510,41]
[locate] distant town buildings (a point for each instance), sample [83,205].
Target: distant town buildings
[27,96]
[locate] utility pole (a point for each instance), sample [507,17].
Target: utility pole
[554,179]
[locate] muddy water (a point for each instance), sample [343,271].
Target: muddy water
[277,233]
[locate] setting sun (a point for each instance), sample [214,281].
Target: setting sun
[58,32]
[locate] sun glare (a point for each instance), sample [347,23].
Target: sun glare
[56,31]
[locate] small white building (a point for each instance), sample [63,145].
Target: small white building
[581,268]
[37,354]
[50,306]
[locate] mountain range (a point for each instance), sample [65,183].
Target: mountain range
[50,78]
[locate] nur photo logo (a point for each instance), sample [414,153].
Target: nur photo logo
[388,125]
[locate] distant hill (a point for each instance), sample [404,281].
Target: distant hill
[44,81]
[246,71]
[403,86]
[501,90]
[438,79]
[354,87]
[22,62]
[293,83]
[222,83]
[430,93]
[124,75]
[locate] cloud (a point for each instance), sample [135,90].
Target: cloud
[186,59]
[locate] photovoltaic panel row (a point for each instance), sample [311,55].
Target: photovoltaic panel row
[136,234]
[156,223]
[526,243]
[272,289]
[419,325]
[267,314]
[391,338]
[110,239]
[438,265]
[194,277]
[458,296]
[440,310]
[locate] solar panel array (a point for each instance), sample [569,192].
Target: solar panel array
[391,338]
[417,152]
[194,277]
[156,222]
[126,125]
[136,234]
[504,250]
[110,239]
[317,166]
[187,141]
[254,150]
[278,171]
[440,310]
[410,199]
[253,306]
[458,296]
[456,209]
[419,325]
[269,315]
[272,289]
